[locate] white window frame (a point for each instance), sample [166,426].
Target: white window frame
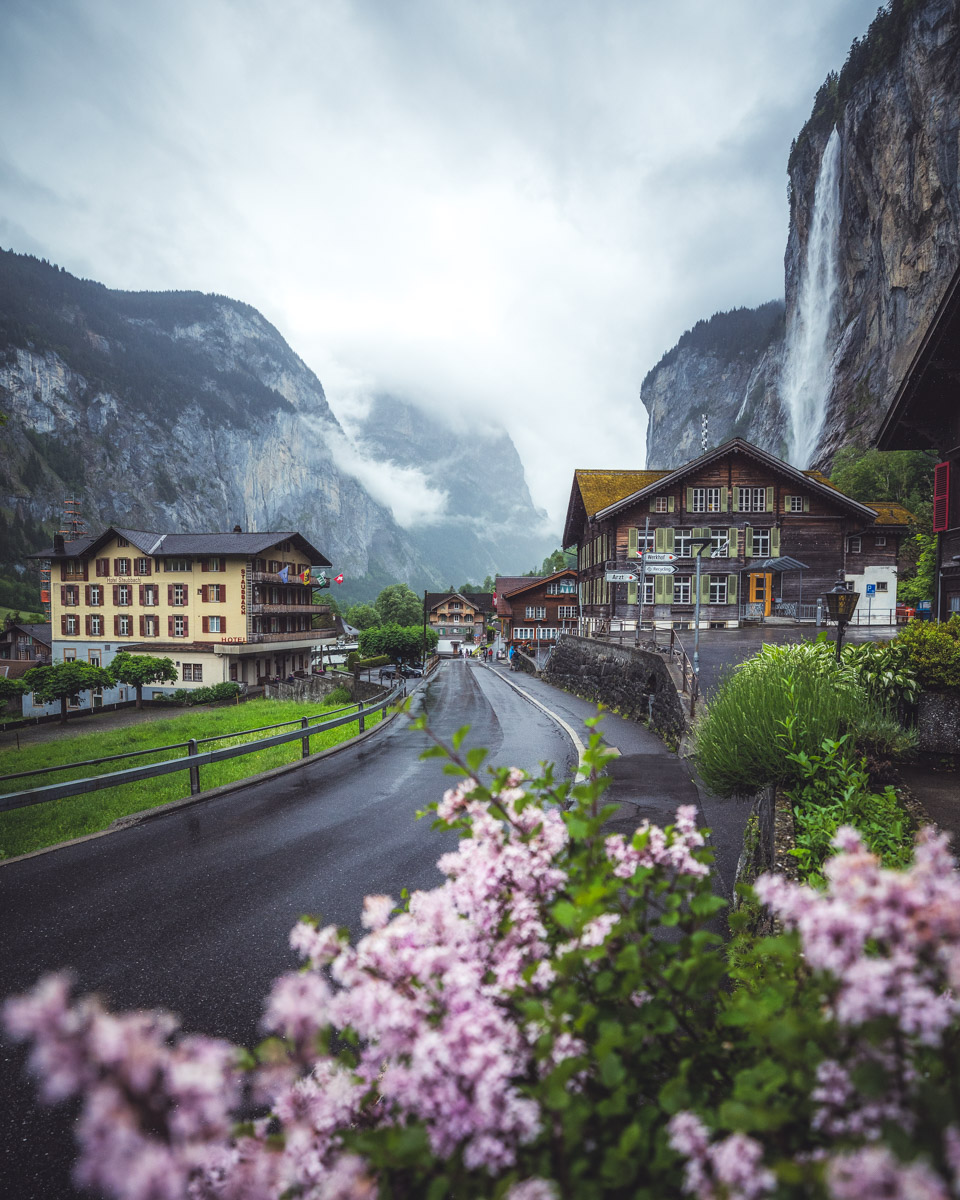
[179,620]
[661,504]
[752,499]
[682,547]
[96,595]
[150,595]
[720,543]
[179,595]
[882,585]
[699,499]
[123,595]
[214,625]
[96,625]
[123,566]
[566,612]
[73,625]
[880,541]
[794,504]
[536,612]
[649,593]
[761,535]
[124,625]
[682,589]
[142,566]
[718,589]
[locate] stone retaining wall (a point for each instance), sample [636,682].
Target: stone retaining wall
[938,722]
[635,682]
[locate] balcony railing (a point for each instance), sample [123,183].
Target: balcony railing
[299,635]
[315,610]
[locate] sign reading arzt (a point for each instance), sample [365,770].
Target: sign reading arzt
[620,576]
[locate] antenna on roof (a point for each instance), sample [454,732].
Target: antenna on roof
[704,432]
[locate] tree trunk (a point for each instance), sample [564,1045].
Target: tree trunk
[139,695]
[63,710]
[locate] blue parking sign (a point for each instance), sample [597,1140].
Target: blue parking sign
[871,589]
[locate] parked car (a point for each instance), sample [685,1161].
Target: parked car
[411,670]
[905,613]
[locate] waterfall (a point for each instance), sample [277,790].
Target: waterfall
[808,362]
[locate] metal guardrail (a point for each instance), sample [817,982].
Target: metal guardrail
[691,681]
[193,760]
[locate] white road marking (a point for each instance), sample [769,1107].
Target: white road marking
[568,729]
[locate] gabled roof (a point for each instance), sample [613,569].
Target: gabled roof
[510,586]
[151,544]
[890,513]
[739,446]
[481,601]
[40,633]
[593,490]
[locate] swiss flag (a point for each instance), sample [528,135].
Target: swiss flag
[338,579]
[494,599]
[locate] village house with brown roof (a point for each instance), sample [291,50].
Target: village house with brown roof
[537,609]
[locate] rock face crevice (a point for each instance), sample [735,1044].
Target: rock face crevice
[898,246]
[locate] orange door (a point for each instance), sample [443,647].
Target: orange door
[761,590]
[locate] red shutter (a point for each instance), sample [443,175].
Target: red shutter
[86,569]
[170,626]
[186,626]
[103,567]
[170,593]
[206,624]
[116,566]
[143,626]
[941,497]
[63,624]
[149,566]
[141,595]
[205,592]
[223,594]
[63,594]
[86,595]
[204,565]
[223,564]
[223,624]
[116,626]
[86,624]
[116,593]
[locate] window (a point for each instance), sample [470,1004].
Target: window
[522,633]
[214,591]
[535,612]
[752,499]
[880,541]
[793,503]
[71,625]
[192,672]
[96,625]
[214,624]
[176,564]
[544,633]
[718,589]
[70,655]
[122,541]
[123,594]
[561,587]
[706,499]
[179,627]
[648,590]
[213,564]
[151,625]
[566,612]
[720,543]
[881,585]
[142,566]
[761,543]
[681,542]
[150,597]
[681,589]
[124,625]
[853,545]
[121,566]
[179,596]
[71,594]
[455,604]
[96,595]
[661,504]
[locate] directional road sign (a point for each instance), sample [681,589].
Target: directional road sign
[620,576]
[660,569]
[632,565]
[659,556]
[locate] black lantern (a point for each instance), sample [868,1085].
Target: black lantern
[841,602]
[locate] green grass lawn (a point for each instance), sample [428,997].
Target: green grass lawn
[26,829]
[26,618]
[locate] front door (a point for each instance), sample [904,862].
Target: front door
[761,591]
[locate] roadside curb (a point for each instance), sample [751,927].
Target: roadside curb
[150,814]
[568,729]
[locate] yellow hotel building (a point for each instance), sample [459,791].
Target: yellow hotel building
[223,606]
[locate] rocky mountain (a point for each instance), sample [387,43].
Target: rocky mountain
[489,516]
[874,238]
[185,411]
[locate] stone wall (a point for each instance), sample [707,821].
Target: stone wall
[318,687]
[634,682]
[938,722]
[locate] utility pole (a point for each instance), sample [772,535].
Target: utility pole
[701,543]
[643,580]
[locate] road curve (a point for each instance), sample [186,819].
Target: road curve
[191,911]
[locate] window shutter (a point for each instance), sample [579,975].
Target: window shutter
[143,626]
[204,565]
[668,541]
[223,624]
[633,543]
[660,539]
[86,624]
[205,591]
[63,624]
[731,589]
[653,504]
[141,595]
[170,593]
[689,499]
[806,504]
[748,542]
[205,624]
[186,626]
[149,565]
[660,589]
[671,503]
[736,499]
[170,626]
[86,595]
[941,497]
[63,594]
[724,498]
[223,564]
[769,507]
[116,566]
[733,545]
[223,595]
[631,593]
[116,626]
[774,542]
[704,589]
[86,569]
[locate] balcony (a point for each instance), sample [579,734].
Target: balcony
[313,610]
[297,635]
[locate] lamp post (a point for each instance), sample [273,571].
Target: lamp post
[841,602]
[701,543]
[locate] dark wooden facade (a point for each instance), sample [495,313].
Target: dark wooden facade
[757,511]
[537,609]
[925,415]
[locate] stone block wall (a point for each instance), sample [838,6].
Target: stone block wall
[938,722]
[635,682]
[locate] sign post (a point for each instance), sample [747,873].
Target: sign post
[871,590]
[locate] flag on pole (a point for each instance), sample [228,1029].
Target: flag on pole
[339,579]
[321,581]
[494,599]
[283,575]
[305,576]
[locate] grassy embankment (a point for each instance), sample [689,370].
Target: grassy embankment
[26,829]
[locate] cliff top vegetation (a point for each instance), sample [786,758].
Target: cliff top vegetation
[739,333]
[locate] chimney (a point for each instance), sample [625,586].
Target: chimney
[237,529]
[58,544]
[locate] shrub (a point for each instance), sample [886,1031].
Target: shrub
[934,651]
[339,695]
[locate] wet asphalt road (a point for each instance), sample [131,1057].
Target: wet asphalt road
[191,911]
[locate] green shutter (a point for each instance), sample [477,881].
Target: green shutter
[631,593]
[689,499]
[633,543]
[736,499]
[668,540]
[653,504]
[748,542]
[775,542]
[671,503]
[660,594]
[731,589]
[660,539]
[724,499]
[733,541]
[806,504]
[769,507]
[704,589]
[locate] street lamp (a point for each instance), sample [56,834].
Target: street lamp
[841,602]
[702,543]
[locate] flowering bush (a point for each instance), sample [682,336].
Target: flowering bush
[558,1019]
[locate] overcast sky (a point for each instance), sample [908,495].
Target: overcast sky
[504,211]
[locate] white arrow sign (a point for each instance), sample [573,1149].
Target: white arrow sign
[660,569]
[659,557]
[620,577]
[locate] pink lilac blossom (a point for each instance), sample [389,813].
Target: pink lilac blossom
[873,1171]
[731,1168]
[533,1189]
[657,849]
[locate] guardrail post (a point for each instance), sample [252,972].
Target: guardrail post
[304,742]
[360,721]
[194,768]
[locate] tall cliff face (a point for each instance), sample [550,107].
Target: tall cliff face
[182,411]
[894,243]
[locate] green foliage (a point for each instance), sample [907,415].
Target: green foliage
[362,616]
[10,688]
[214,694]
[339,695]
[921,586]
[886,670]
[934,651]
[63,680]
[904,476]
[399,605]
[398,642]
[368,664]
[138,669]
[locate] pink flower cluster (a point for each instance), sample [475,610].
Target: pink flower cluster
[731,1168]
[651,846]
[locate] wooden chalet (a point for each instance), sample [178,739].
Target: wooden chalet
[537,609]
[925,415]
[459,616]
[26,643]
[777,539]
